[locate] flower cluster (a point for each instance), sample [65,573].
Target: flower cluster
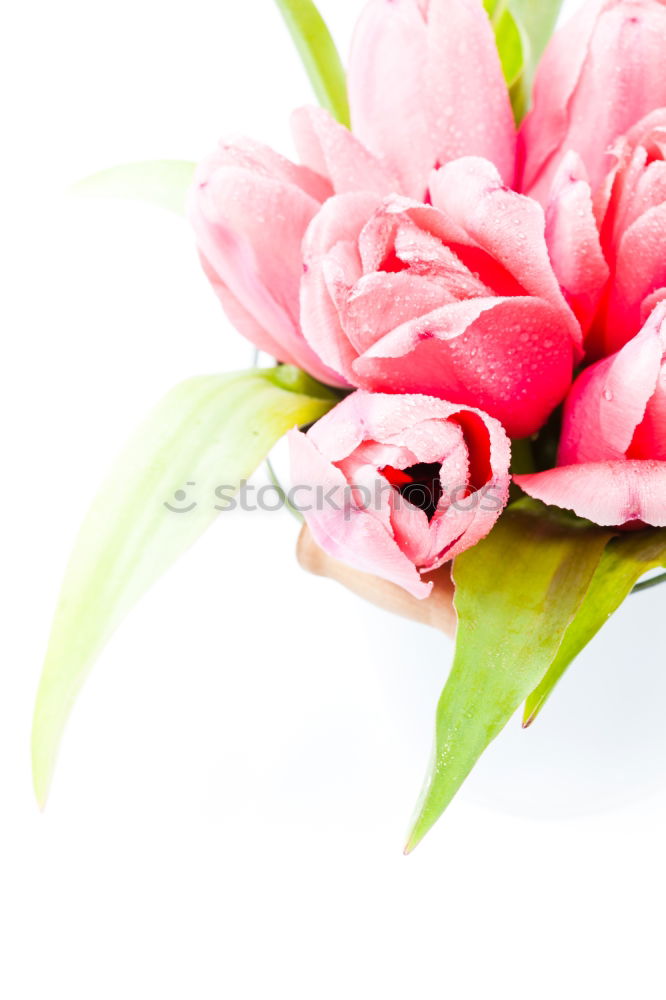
[458,279]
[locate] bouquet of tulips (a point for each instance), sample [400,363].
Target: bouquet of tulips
[462,283]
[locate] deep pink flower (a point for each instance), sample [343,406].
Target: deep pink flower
[602,72]
[612,456]
[397,485]
[456,299]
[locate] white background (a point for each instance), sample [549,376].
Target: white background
[234,787]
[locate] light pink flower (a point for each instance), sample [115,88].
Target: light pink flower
[250,208]
[455,299]
[426,87]
[602,72]
[612,456]
[360,463]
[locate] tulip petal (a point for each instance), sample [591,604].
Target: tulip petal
[573,240]
[330,269]
[239,218]
[640,270]
[511,358]
[331,150]
[351,534]
[608,401]
[426,86]
[600,74]
[507,226]
[607,493]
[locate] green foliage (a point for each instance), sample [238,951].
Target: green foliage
[210,431]
[319,55]
[517,592]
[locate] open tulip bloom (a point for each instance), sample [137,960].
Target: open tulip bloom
[462,282]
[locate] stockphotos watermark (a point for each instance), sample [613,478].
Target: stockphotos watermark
[346,500]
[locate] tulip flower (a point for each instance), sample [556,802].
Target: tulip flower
[455,299]
[602,72]
[426,87]
[250,208]
[612,456]
[397,485]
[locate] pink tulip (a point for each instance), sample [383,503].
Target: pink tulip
[612,457]
[455,299]
[601,73]
[397,485]
[250,208]
[631,209]
[426,87]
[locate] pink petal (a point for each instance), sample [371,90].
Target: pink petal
[331,267]
[331,150]
[239,218]
[608,401]
[607,493]
[353,535]
[640,270]
[426,87]
[601,73]
[507,226]
[573,240]
[511,358]
[247,154]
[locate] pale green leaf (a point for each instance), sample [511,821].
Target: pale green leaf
[161,182]
[537,19]
[319,55]
[625,561]
[208,432]
[517,591]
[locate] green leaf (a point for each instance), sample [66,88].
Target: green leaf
[508,38]
[160,182]
[208,432]
[625,561]
[517,591]
[522,29]
[319,54]
[537,18]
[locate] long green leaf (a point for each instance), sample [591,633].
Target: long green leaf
[624,562]
[161,182]
[319,54]
[517,591]
[208,432]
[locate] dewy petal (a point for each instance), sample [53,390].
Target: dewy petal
[330,268]
[511,358]
[608,493]
[349,534]
[331,150]
[640,270]
[573,240]
[239,218]
[426,86]
[507,226]
[608,401]
[601,73]
[247,154]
